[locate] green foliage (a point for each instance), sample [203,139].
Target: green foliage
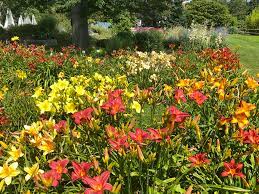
[210,12]
[27,31]
[252,20]
[48,24]
[123,40]
[238,8]
[149,40]
[123,22]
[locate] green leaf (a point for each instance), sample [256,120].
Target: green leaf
[228,188]
[134,174]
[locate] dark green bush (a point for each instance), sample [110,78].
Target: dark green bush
[149,40]
[27,31]
[119,42]
[48,24]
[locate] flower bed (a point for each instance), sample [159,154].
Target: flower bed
[131,122]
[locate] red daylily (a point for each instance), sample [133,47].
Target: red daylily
[83,116]
[115,94]
[111,131]
[59,166]
[80,170]
[251,137]
[50,178]
[179,95]
[155,135]
[177,115]
[61,126]
[114,106]
[98,184]
[139,136]
[198,97]
[233,169]
[119,143]
[199,159]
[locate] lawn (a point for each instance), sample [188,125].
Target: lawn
[248,48]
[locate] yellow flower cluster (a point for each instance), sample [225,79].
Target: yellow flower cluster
[21,74]
[68,96]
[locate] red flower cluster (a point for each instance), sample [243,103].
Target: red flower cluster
[98,184]
[248,137]
[198,97]
[177,115]
[117,139]
[223,56]
[233,169]
[199,159]
[114,104]
[54,175]
[83,116]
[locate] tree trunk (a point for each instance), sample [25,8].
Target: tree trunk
[80,34]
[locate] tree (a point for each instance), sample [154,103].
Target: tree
[253,19]
[238,8]
[210,12]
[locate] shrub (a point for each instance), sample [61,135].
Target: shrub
[252,20]
[150,40]
[48,24]
[27,31]
[215,13]
[123,40]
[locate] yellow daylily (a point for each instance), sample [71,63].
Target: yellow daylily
[15,154]
[136,106]
[33,171]
[70,107]
[44,106]
[38,92]
[15,38]
[251,83]
[21,74]
[8,172]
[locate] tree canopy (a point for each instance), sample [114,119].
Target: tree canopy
[210,12]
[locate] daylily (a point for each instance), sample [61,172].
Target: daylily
[98,184]
[59,166]
[80,170]
[136,106]
[15,154]
[233,169]
[139,136]
[83,116]
[179,95]
[61,126]
[49,179]
[114,105]
[155,135]
[240,119]
[251,83]
[198,97]
[8,172]
[245,108]
[33,171]
[199,159]
[119,143]
[177,115]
